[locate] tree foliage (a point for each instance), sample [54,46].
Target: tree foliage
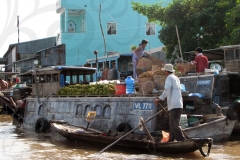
[204,23]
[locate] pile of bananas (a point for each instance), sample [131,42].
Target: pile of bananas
[96,89]
[146,74]
[159,72]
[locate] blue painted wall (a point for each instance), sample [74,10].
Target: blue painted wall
[131,28]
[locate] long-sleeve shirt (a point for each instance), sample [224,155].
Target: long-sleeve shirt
[172,92]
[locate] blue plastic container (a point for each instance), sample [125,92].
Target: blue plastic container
[129,85]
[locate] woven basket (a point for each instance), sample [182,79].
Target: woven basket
[147,87]
[159,81]
[141,81]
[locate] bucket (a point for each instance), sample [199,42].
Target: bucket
[120,89]
[184,68]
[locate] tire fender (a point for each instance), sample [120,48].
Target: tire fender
[41,125]
[124,127]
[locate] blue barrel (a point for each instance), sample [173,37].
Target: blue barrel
[129,85]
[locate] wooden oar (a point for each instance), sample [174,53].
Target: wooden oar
[169,115]
[110,145]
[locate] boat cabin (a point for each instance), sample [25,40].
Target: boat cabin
[232,58]
[47,81]
[122,62]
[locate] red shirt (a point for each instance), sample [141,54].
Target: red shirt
[202,63]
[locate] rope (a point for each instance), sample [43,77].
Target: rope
[209,149]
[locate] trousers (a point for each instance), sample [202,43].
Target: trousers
[174,125]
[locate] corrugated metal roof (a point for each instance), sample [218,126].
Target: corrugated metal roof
[33,46]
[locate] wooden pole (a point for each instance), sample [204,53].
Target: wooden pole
[110,145]
[179,42]
[145,128]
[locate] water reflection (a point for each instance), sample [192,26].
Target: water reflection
[16,143]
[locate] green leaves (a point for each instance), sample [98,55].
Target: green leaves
[204,23]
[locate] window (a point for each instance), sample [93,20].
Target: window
[48,78]
[111,28]
[237,53]
[71,26]
[150,29]
[82,25]
[229,55]
[55,77]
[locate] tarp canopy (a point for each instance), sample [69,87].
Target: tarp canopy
[212,54]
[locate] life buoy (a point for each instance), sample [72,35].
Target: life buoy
[41,125]
[124,127]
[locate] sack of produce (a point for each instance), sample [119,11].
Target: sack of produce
[143,65]
[156,61]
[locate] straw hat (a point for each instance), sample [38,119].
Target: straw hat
[168,67]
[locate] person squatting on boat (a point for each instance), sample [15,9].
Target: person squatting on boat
[10,83]
[3,84]
[138,53]
[172,91]
[200,61]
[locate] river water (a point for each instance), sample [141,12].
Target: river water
[18,144]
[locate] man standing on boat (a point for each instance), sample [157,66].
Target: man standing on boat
[138,53]
[3,84]
[172,92]
[200,61]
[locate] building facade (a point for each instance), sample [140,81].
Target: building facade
[19,57]
[121,26]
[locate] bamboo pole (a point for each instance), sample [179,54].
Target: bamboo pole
[179,44]
[110,145]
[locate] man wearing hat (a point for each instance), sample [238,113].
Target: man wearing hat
[172,92]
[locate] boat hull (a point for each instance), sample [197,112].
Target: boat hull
[72,133]
[218,130]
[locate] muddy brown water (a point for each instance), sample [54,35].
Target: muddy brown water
[17,143]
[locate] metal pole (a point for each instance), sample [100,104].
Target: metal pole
[18,27]
[96,67]
[179,42]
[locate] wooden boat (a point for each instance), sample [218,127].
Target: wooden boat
[77,133]
[219,129]
[17,117]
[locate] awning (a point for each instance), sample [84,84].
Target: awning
[212,54]
[8,73]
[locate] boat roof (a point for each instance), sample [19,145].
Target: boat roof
[67,70]
[9,73]
[110,57]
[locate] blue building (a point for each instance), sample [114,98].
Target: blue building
[122,27]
